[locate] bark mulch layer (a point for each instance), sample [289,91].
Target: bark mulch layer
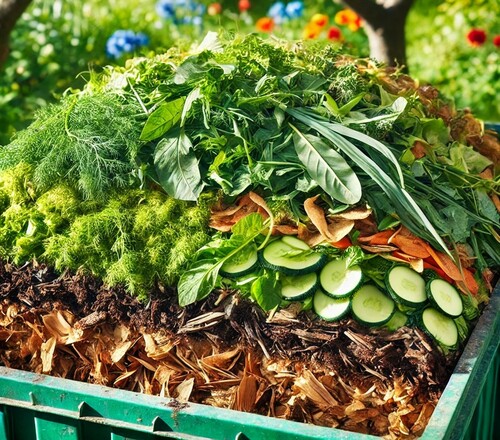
[222,351]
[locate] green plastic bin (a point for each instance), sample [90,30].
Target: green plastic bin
[40,407]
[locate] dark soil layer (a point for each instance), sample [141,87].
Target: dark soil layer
[357,357]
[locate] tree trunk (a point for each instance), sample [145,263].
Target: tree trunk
[10,11]
[385,27]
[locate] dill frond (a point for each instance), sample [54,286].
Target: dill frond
[89,141]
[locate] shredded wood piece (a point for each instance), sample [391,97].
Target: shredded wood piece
[314,390]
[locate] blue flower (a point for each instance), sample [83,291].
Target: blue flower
[277,12]
[166,8]
[123,41]
[295,9]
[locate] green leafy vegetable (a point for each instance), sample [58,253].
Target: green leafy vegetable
[166,116]
[177,167]
[328,168]
[266,290]
[201,277]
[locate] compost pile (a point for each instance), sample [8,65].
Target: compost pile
[216,226]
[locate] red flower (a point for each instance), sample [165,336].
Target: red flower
[265,24]
[496,40]
[476,37]
[334,34]
[244,5]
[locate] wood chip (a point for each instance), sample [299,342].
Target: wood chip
[314,390]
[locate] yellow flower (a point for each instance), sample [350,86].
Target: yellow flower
[347,17]
[311,31]
[319,20]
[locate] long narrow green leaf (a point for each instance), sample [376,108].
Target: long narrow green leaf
[353,134]
[374,143]
[328,168]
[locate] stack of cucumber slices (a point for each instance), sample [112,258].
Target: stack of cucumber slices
[337,289]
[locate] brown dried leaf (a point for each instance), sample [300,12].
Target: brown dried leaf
[423,418]
[358,213]
[317,216]
[58,325]
[285,230]
[379,249]
[8,317]
[260,202]
[338,229]
[356,405]
[122,378]
[224,220]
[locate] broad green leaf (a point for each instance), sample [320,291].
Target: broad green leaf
[249,225]
[190,70]
[486,207]
[266,290]
[435,132]
[197,282]
[328,168]
[162,119]
[177,167]
[467,159]
[458,222]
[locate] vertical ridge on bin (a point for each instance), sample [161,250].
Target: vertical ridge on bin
[51,429]
[3,424]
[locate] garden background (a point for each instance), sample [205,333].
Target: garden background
[451,44]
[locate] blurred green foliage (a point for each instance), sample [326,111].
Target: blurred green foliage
[439,53]
[56,40]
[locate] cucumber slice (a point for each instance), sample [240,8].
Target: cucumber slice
[445,297]
[371,307]
[295,242]
[406,286]
[338,281]
[328,308]
[242,263]
[298,287]
[397,320]
[441,327]
[291,259]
